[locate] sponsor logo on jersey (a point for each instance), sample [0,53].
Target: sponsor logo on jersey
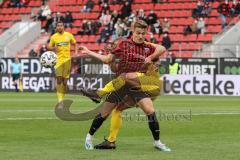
[62,44]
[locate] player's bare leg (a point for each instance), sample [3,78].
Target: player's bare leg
[97,122]
[16,86]
[146,105]
[114,85]
[115,124]
[59,88]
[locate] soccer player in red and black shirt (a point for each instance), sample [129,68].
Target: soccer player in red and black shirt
[134,58]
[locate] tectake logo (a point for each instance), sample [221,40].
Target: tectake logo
[218,85]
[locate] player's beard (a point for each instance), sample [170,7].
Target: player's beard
[60,31]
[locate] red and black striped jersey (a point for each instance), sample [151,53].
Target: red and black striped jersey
[130,56]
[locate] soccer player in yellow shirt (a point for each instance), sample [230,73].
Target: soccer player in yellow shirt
[60,42]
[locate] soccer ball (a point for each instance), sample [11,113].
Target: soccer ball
[48,59]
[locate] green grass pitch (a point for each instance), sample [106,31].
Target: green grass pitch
[194,127]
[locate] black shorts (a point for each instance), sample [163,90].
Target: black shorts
[15,77]
[118,96]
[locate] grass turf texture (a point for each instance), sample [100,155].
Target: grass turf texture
[29,130]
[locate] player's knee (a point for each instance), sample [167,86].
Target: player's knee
[130,76]
[149,111]
[59,80]
[65,82]
[105,114]
[120,107]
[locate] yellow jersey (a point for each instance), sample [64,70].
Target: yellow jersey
[62,42]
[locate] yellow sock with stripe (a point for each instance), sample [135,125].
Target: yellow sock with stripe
[115,124]
[111,86]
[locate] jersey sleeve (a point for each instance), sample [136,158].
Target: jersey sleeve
[72,39]
[52,42]
[152,47]
[113,47]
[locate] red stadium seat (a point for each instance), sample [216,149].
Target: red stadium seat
[115,7]
[74,30]
[77,23]
[205,38]
[179,13]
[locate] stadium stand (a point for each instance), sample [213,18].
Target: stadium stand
[178,13]
[10,15]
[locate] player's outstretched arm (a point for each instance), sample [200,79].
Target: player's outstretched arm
[104,58]
[51,46]
[157,53]
[76,48]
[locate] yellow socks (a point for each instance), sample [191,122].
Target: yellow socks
[115,124]
[111,86]
[60,92]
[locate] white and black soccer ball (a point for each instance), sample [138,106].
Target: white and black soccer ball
[48,59]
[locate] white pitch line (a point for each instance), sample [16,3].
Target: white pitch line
[202,114]
[24,118]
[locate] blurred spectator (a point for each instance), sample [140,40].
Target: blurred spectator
[42,50]
[104,35]
[126,10]
[57,18]
[235,8]
[111,27]
[224,10]
[126,32]
[115,16]
[165,25]
[141,15]
[88,6]
[95,27]
[44,12]
[116,2]
[32,53]
[156,1]
[105,8]
[118,29]
[24,3]
[201,26]
[166,42]
[86,28]
[132,17]
[206,9]
[153,39]
[196,12]
[151,18]
[14,3]
[68,19]
[156,28]
[191,29]
[105,18]
[49,25]
[101,2]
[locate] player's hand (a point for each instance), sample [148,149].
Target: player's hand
[147,61]
[83,49]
